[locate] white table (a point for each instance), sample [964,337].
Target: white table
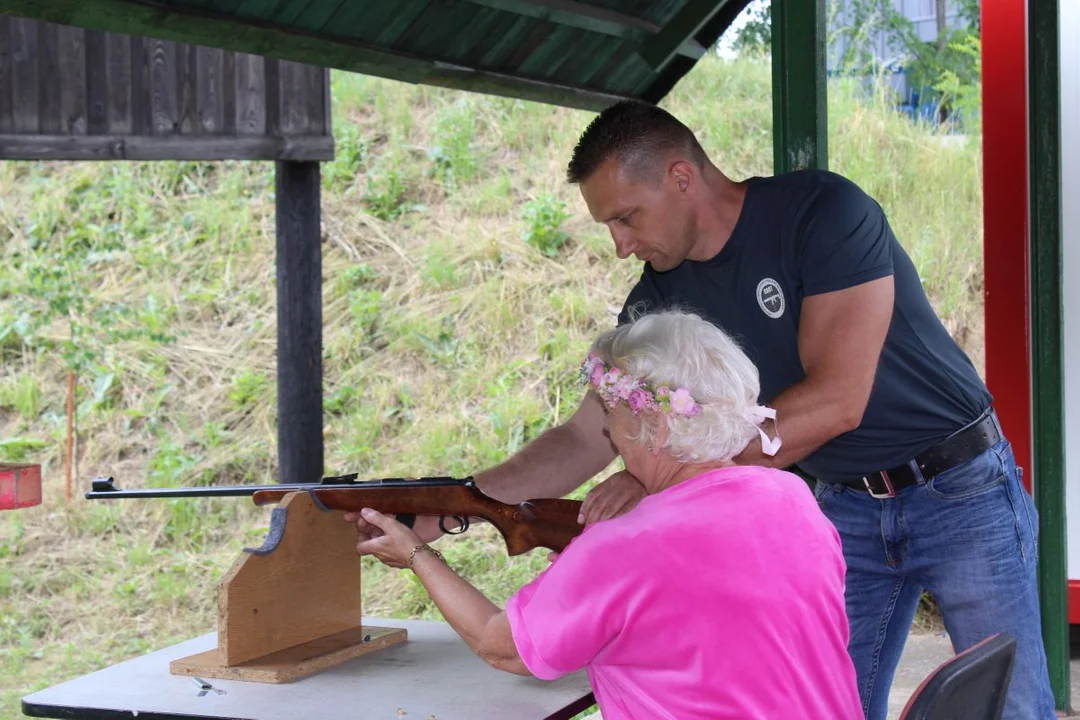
[433,673]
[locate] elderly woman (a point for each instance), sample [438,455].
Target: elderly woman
[721,595]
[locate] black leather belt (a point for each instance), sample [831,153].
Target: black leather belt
[957,449]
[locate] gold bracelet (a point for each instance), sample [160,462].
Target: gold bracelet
[424,546]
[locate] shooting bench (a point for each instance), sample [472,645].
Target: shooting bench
[433,674]
[292,639]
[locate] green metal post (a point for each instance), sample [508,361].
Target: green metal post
[1044,108]
[800,100]
[800,107]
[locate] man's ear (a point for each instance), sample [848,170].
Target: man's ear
[682,173]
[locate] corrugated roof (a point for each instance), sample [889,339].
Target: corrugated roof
[579,53]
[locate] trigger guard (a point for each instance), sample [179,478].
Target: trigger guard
[464,525]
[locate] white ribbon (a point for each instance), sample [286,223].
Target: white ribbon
[757,415]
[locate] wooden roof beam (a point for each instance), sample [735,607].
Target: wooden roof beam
[595,19]
[659,50]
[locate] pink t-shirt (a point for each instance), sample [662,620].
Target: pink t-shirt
[720,597]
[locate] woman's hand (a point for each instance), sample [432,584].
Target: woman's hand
[426,528]
[619,493]
[384,537]
[483,626]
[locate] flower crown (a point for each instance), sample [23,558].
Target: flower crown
[613,385]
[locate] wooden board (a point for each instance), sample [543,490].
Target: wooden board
[292,607]
[306,588]
[129,147]
[296,662]
[68,93]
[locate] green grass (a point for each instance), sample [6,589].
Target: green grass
[455,314]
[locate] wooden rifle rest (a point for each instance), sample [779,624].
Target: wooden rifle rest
[291,608]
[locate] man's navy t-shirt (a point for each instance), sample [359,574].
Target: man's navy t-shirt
[812,232]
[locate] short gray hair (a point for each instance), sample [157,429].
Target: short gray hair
[683,349]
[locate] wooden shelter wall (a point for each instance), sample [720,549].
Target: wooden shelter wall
[70,93]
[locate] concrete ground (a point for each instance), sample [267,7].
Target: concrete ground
[922,653]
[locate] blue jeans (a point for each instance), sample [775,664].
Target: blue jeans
[969,536]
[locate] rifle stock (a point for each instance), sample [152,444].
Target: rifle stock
[544,523]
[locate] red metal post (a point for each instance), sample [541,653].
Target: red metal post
[1006,237]
[1005,216]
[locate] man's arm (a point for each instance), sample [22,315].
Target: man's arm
[841,334]
[551,466]
[555,463]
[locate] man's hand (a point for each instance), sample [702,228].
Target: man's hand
[393,542]
[426,528]
[618,494]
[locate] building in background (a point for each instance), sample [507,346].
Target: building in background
[913,45]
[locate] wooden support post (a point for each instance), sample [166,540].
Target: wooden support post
[800,107]
[70,436]
[299,311]
[291,608]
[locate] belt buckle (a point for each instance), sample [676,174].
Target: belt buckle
[888,484]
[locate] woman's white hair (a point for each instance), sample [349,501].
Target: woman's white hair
[683,349]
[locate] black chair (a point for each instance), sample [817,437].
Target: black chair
[970,686]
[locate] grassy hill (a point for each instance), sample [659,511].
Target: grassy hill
[463,279]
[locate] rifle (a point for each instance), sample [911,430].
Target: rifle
[545,523]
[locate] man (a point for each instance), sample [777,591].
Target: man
[873,397]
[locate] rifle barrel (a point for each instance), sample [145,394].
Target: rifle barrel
[104,488]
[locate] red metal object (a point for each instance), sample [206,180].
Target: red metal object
[1074,602]
[1006,239]
[20,486]
[1006,288]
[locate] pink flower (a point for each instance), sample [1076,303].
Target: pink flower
[597,374]
[662,391]
[682,403]
[625,386]
[637,401]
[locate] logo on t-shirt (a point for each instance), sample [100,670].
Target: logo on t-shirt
[770,297]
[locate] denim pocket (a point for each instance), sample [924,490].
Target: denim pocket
[977,476]
[1027,517]
[823,491]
